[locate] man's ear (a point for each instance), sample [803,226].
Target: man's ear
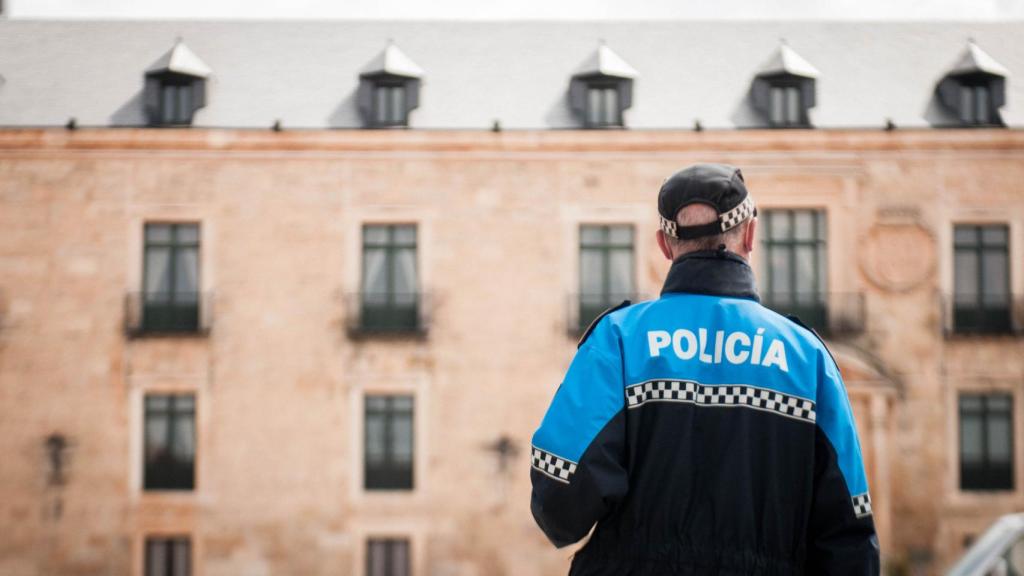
[749,236]
[663,244]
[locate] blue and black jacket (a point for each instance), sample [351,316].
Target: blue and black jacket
[704,434]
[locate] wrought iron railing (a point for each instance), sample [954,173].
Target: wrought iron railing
[384,314]
[988,316]
[160,313]
[832,314]
[584,308]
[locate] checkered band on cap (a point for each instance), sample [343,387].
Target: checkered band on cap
[737,215]
[555,467]
[862,505]
[726,220]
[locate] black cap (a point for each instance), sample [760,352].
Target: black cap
[720,186]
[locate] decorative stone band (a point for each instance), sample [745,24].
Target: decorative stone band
[862,505]
[723,396]
[726,221]
[555,467]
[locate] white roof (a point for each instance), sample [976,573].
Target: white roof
[393,61]
[181,60]
[785,60]
[974,59]
[307,73]
[607,63]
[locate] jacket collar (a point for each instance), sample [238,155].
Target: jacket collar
[716,272]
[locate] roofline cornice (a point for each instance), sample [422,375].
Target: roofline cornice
[424,140]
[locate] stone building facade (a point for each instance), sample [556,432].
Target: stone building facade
[279,372]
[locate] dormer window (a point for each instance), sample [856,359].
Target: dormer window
[175,87]
[602,89]
[974,89]
[176,101]
[976,103]
[786,105]
[784,90]
[603,105]
[389,89]
[389,103]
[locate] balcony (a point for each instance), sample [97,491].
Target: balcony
[965,318]
[584,308]
[833,314]
[387,314]
[161,314]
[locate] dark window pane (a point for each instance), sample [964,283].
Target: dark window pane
[986,442]
[169,430]
[168,557]
[390,295]
[387,557]
[389,442]
[170,301]
[981,279]
[607,269]
[795,263]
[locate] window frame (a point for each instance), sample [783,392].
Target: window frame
[815,313]
[169,541]
[586,309]
[389,542]
[396,119]
[391,476]
[968,116]
[391,316]
[149,485]
[984,478]
[604,85]
[987,319]
[171,315]
[788,86]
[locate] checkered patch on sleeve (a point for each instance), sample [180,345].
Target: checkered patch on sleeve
[555,467]
[729,395]
[862,505]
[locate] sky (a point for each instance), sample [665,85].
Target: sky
[985,10]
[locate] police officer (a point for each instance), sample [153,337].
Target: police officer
[702,432]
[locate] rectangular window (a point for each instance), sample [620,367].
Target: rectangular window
[170,299]
[981,279]
[387,557]
[603,106]
[607,270]
[175,102]
[785,105]
[390,297]
[168,556]
[795,264]
[986,442]
[975,104]
[170,442]
[388,448]
[389,107]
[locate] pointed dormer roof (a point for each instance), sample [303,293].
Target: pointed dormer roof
[180,60]
[973,60]
[394,62]
[604,62]
[787,61]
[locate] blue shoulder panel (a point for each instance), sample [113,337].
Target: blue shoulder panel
[590,395]
[835,417]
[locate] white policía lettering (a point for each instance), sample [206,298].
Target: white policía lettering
[656,340]
[691,344]
[776,356]
[704,356]
[730,347]
[734,347]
